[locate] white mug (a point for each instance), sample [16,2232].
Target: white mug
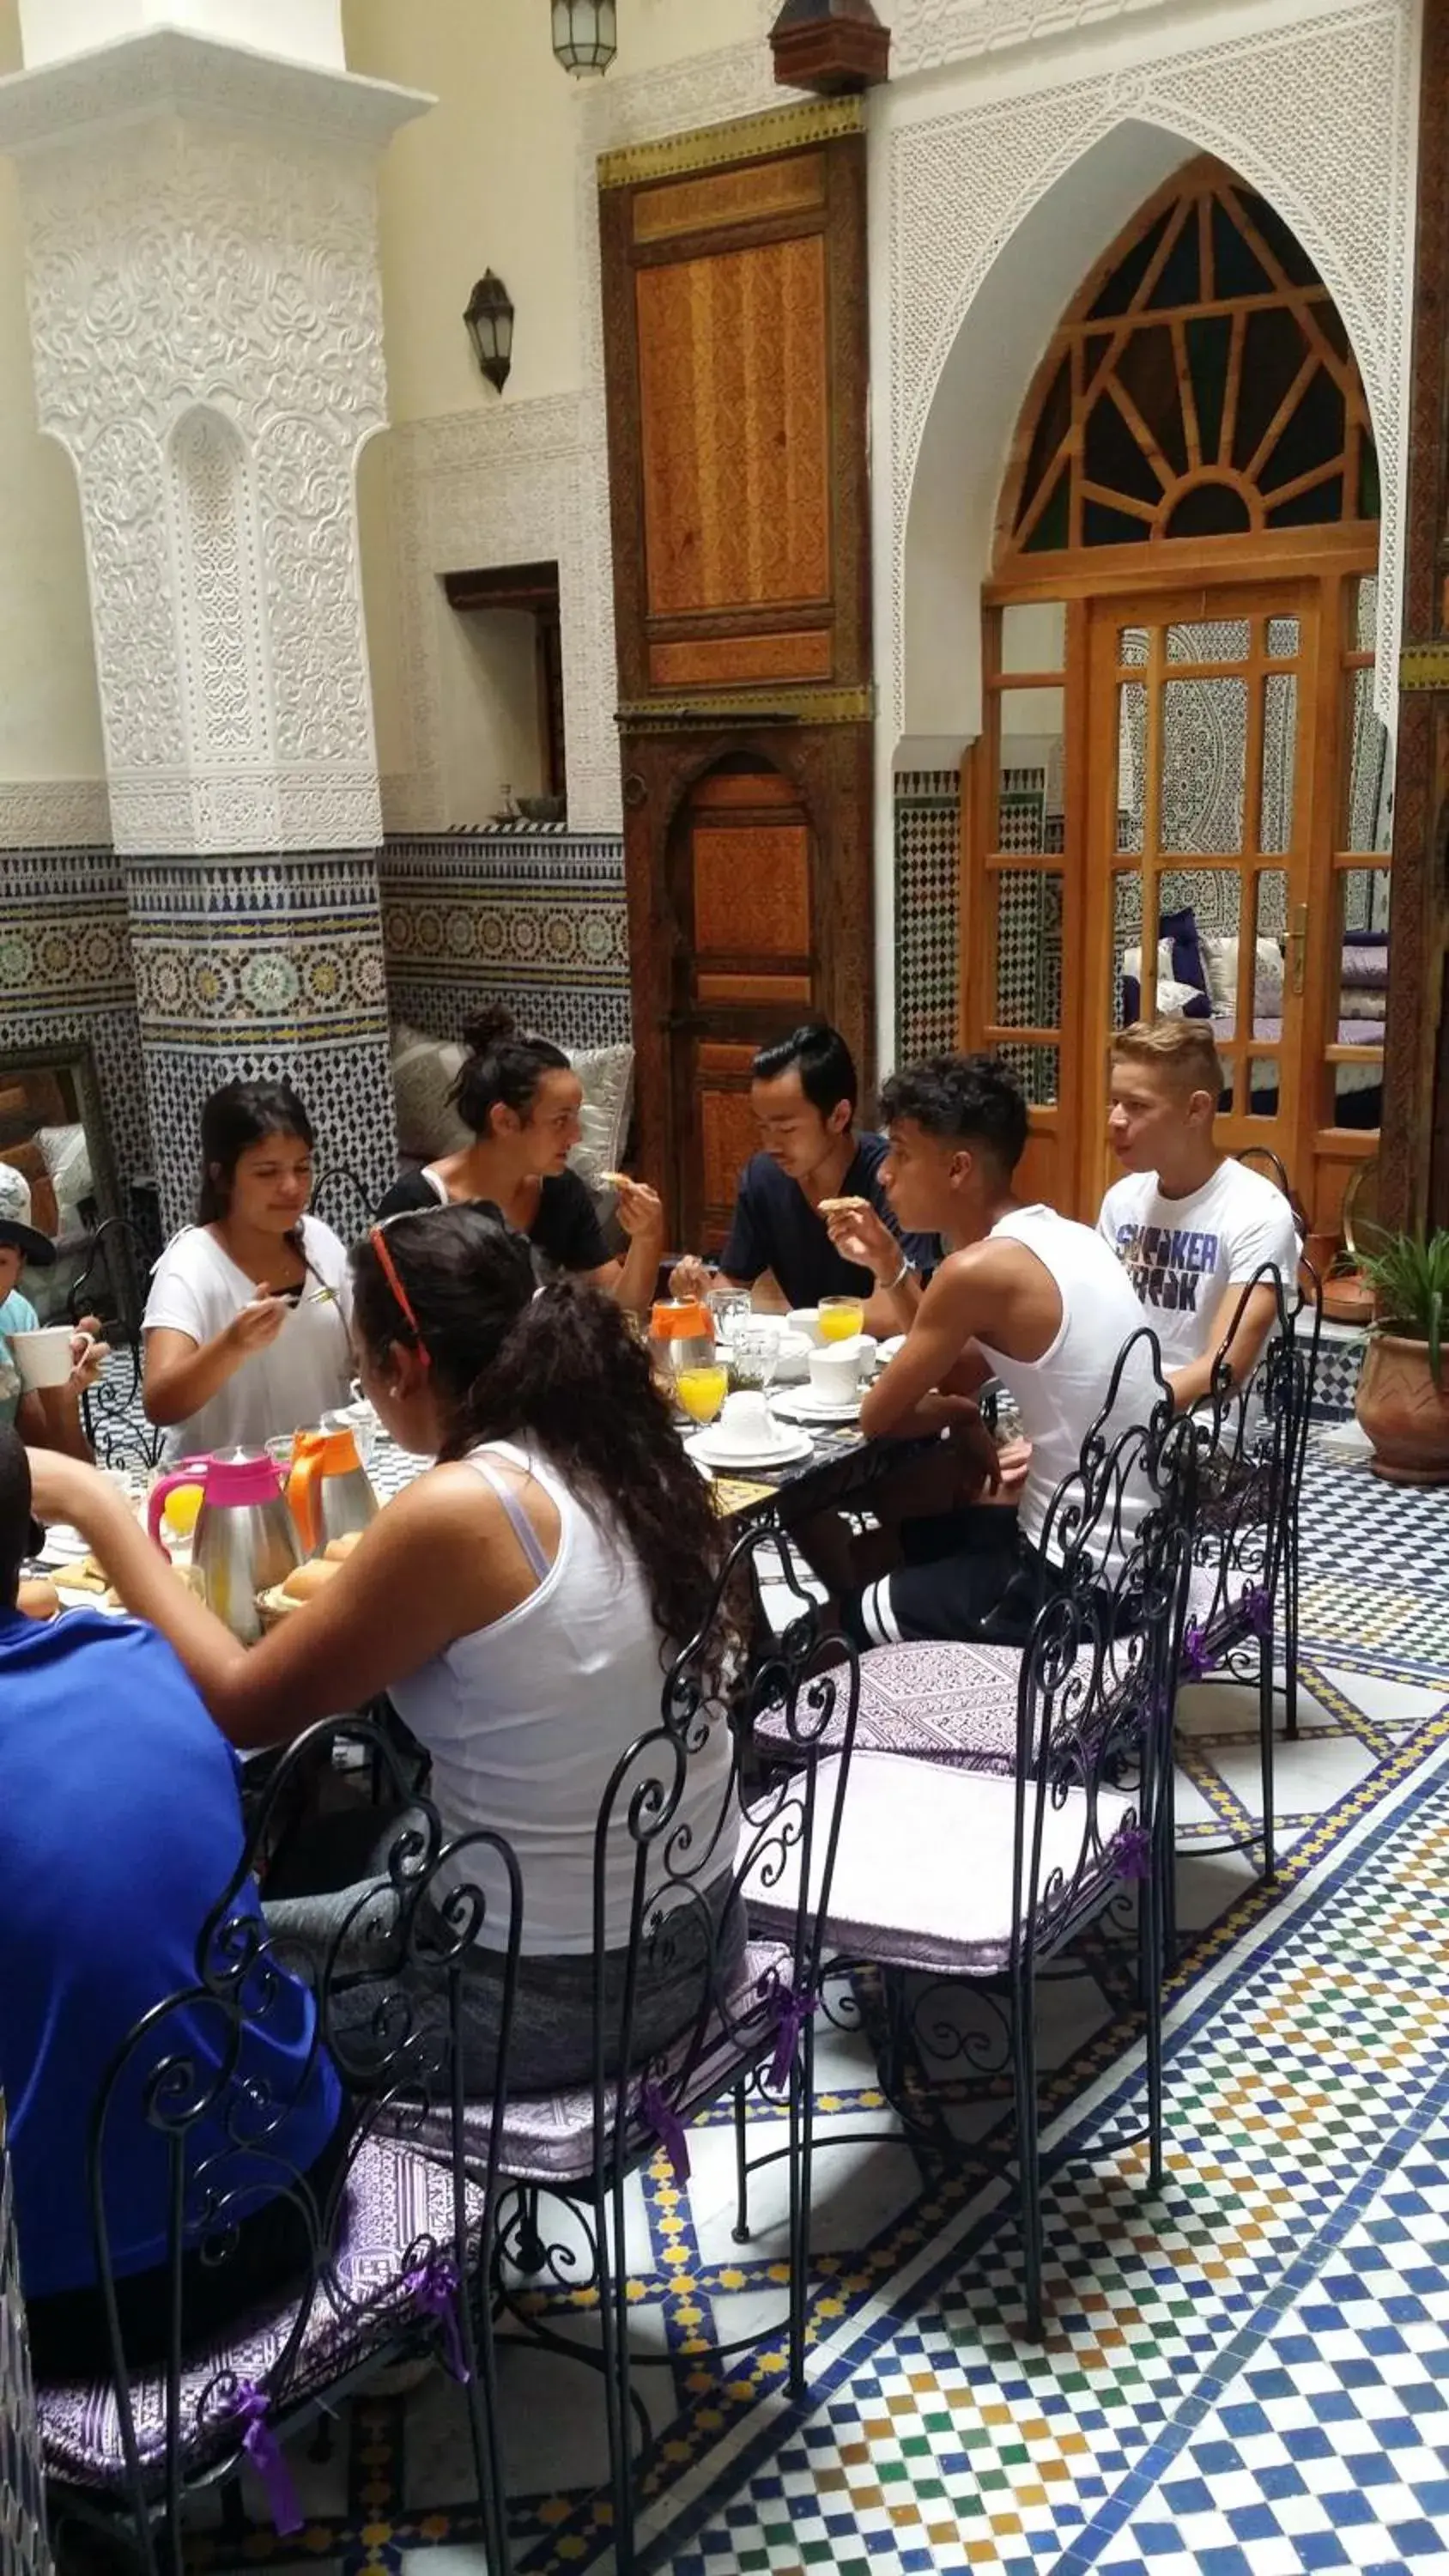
[46,1357]
[806,1320]
[836,1370]
[745,1423]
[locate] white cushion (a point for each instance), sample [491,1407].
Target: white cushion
[1220,964]
[607,1074]
[923,1873]
[68,1161]
[424,1071]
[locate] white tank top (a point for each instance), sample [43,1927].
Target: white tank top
[526,1719]
[1060,1395]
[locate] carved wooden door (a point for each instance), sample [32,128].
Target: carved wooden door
[744,952]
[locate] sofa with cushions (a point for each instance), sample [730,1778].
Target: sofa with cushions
[425,1069]
[1197,978]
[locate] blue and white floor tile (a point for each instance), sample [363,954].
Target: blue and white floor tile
[1247,2375]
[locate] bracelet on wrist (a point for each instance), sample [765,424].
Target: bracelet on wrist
[890,1285]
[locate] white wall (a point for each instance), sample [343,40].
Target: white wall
[310,30]
[50,724]
[490,689]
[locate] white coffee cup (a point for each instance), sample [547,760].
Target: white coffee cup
[745,1423]
[45,1357]
[836,1370]
[806,1320]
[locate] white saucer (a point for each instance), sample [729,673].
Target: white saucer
[804,1405]
[889,1350]
[706,1447]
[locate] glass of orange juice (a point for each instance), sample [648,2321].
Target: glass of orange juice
[702,1391]
[841,1318]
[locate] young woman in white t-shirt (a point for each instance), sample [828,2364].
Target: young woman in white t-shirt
[247,1321]
[520,1604]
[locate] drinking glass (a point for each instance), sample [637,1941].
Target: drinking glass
[755,1352]
[841,1318]
[730,1308]
[701,1391]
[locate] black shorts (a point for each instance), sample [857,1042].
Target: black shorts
[969,1575]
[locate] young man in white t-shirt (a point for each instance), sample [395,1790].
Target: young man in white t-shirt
[1190,1226]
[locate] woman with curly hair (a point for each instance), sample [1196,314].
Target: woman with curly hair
[520,1604]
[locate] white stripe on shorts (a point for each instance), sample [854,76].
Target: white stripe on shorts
[877,1616]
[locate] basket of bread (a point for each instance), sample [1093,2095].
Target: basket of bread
[306,1580]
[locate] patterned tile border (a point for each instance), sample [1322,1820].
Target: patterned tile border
[927,864]
[537,921]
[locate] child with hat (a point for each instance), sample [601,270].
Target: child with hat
[50,1418]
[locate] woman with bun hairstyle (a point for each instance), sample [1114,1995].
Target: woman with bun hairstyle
[519,1603]
[246,1323]
[521,1098]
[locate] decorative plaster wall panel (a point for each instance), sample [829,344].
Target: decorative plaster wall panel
[177,260]
[925,34]
[54,813]
[539,924]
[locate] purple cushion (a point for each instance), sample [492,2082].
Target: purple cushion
[392,2199]
[1366,961]
[944,1702]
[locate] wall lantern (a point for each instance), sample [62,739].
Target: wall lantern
[585,36]
[489,317]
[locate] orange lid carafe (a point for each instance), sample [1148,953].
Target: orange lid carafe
[681,1335]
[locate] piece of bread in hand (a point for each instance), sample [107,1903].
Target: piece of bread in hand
[37,1598]
[314,1576]
[616,1180]
[338,1548]
[842,1207]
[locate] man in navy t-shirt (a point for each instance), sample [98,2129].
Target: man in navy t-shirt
[120,1830]
[803,1092]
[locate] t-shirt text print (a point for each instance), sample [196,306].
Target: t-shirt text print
[1168,1264]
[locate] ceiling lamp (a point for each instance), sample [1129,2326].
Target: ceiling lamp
[585,36]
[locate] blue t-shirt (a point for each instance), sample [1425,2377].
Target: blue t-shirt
[17,1315]
[774,1227]
[120,1829]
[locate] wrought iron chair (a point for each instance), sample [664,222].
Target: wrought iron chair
[1243,1593]
[113,1411]
[950,1878]
[1263,1158]
[695,1826]
[343,1201]
[217,2074]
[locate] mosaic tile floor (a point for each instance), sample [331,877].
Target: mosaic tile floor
[1246,2377]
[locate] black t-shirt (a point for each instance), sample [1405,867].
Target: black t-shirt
[565,1231]
[775,1228]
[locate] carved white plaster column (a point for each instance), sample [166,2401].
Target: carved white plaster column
[201,259]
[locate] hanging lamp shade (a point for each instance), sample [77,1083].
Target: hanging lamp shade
[489,316]
[834,46]
[585,36]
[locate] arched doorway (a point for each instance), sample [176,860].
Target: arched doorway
[1177,727]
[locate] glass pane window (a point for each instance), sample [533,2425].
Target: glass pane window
[1264,1094]
[1037,1069]
[1034,636]
[1204,757]
[1031,783]
[1363,956]
[1282,638]
[1028,948]
[1209,639]
[1370,818]
[1131,765]
[1280,744]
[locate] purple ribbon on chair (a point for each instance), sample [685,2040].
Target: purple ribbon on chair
[1198,1657]
[1258,1610]
[434,2287]
[266,2456]
[1133,1849]
[793,2008]
[658,2113]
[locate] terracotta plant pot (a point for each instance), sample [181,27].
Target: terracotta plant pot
[1405,1415]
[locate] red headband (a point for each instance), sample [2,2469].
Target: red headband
[389,1272]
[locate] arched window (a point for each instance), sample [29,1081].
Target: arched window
[1201,385]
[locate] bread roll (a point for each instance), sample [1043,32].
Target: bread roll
[38,1599]
[338,1548]
[842,1207]
[305,1580]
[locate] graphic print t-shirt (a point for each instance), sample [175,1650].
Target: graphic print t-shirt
[1182,1254]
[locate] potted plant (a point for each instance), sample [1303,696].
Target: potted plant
[1402,1400]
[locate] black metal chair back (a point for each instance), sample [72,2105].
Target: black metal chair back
[343,1201]
[111,1287]
[223,2079]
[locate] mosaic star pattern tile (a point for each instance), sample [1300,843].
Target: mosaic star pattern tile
[1243,2377]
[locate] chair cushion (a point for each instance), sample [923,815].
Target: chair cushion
[943,1702]
[392,2200]
[549,2137]
[923,1873]
[607,1074]
[1217,1602]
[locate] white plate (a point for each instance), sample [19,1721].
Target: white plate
[807,1406]
[706,1448]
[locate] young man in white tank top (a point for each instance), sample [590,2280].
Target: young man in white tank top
[1025,1296]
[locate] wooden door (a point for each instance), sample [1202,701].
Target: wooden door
[1200,798]
[744,972]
